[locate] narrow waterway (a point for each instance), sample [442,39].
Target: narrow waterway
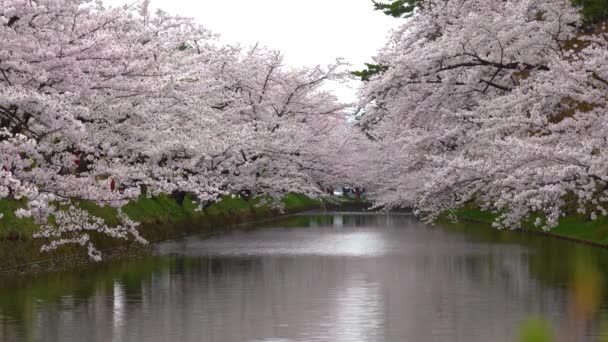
[322,277]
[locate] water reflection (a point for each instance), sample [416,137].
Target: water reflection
[339,277]
[338,220]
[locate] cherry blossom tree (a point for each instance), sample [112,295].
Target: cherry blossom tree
[498,103]
[106,105]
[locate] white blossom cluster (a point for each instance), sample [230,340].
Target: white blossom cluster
[72,226]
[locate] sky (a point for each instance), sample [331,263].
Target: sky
[307,32]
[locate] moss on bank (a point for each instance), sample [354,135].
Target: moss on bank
[573,227]
[161,218]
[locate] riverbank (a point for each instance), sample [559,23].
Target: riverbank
[577,228]
[161,217]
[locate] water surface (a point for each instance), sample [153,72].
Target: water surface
[333,277]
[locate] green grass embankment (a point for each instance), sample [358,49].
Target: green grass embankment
[572,227]
[161,218]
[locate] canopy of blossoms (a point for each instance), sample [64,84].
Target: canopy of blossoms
[500,104]
[106,105]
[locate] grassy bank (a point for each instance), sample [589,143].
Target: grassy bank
[572,227]
[161,218]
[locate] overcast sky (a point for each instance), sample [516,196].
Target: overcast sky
[308,32]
